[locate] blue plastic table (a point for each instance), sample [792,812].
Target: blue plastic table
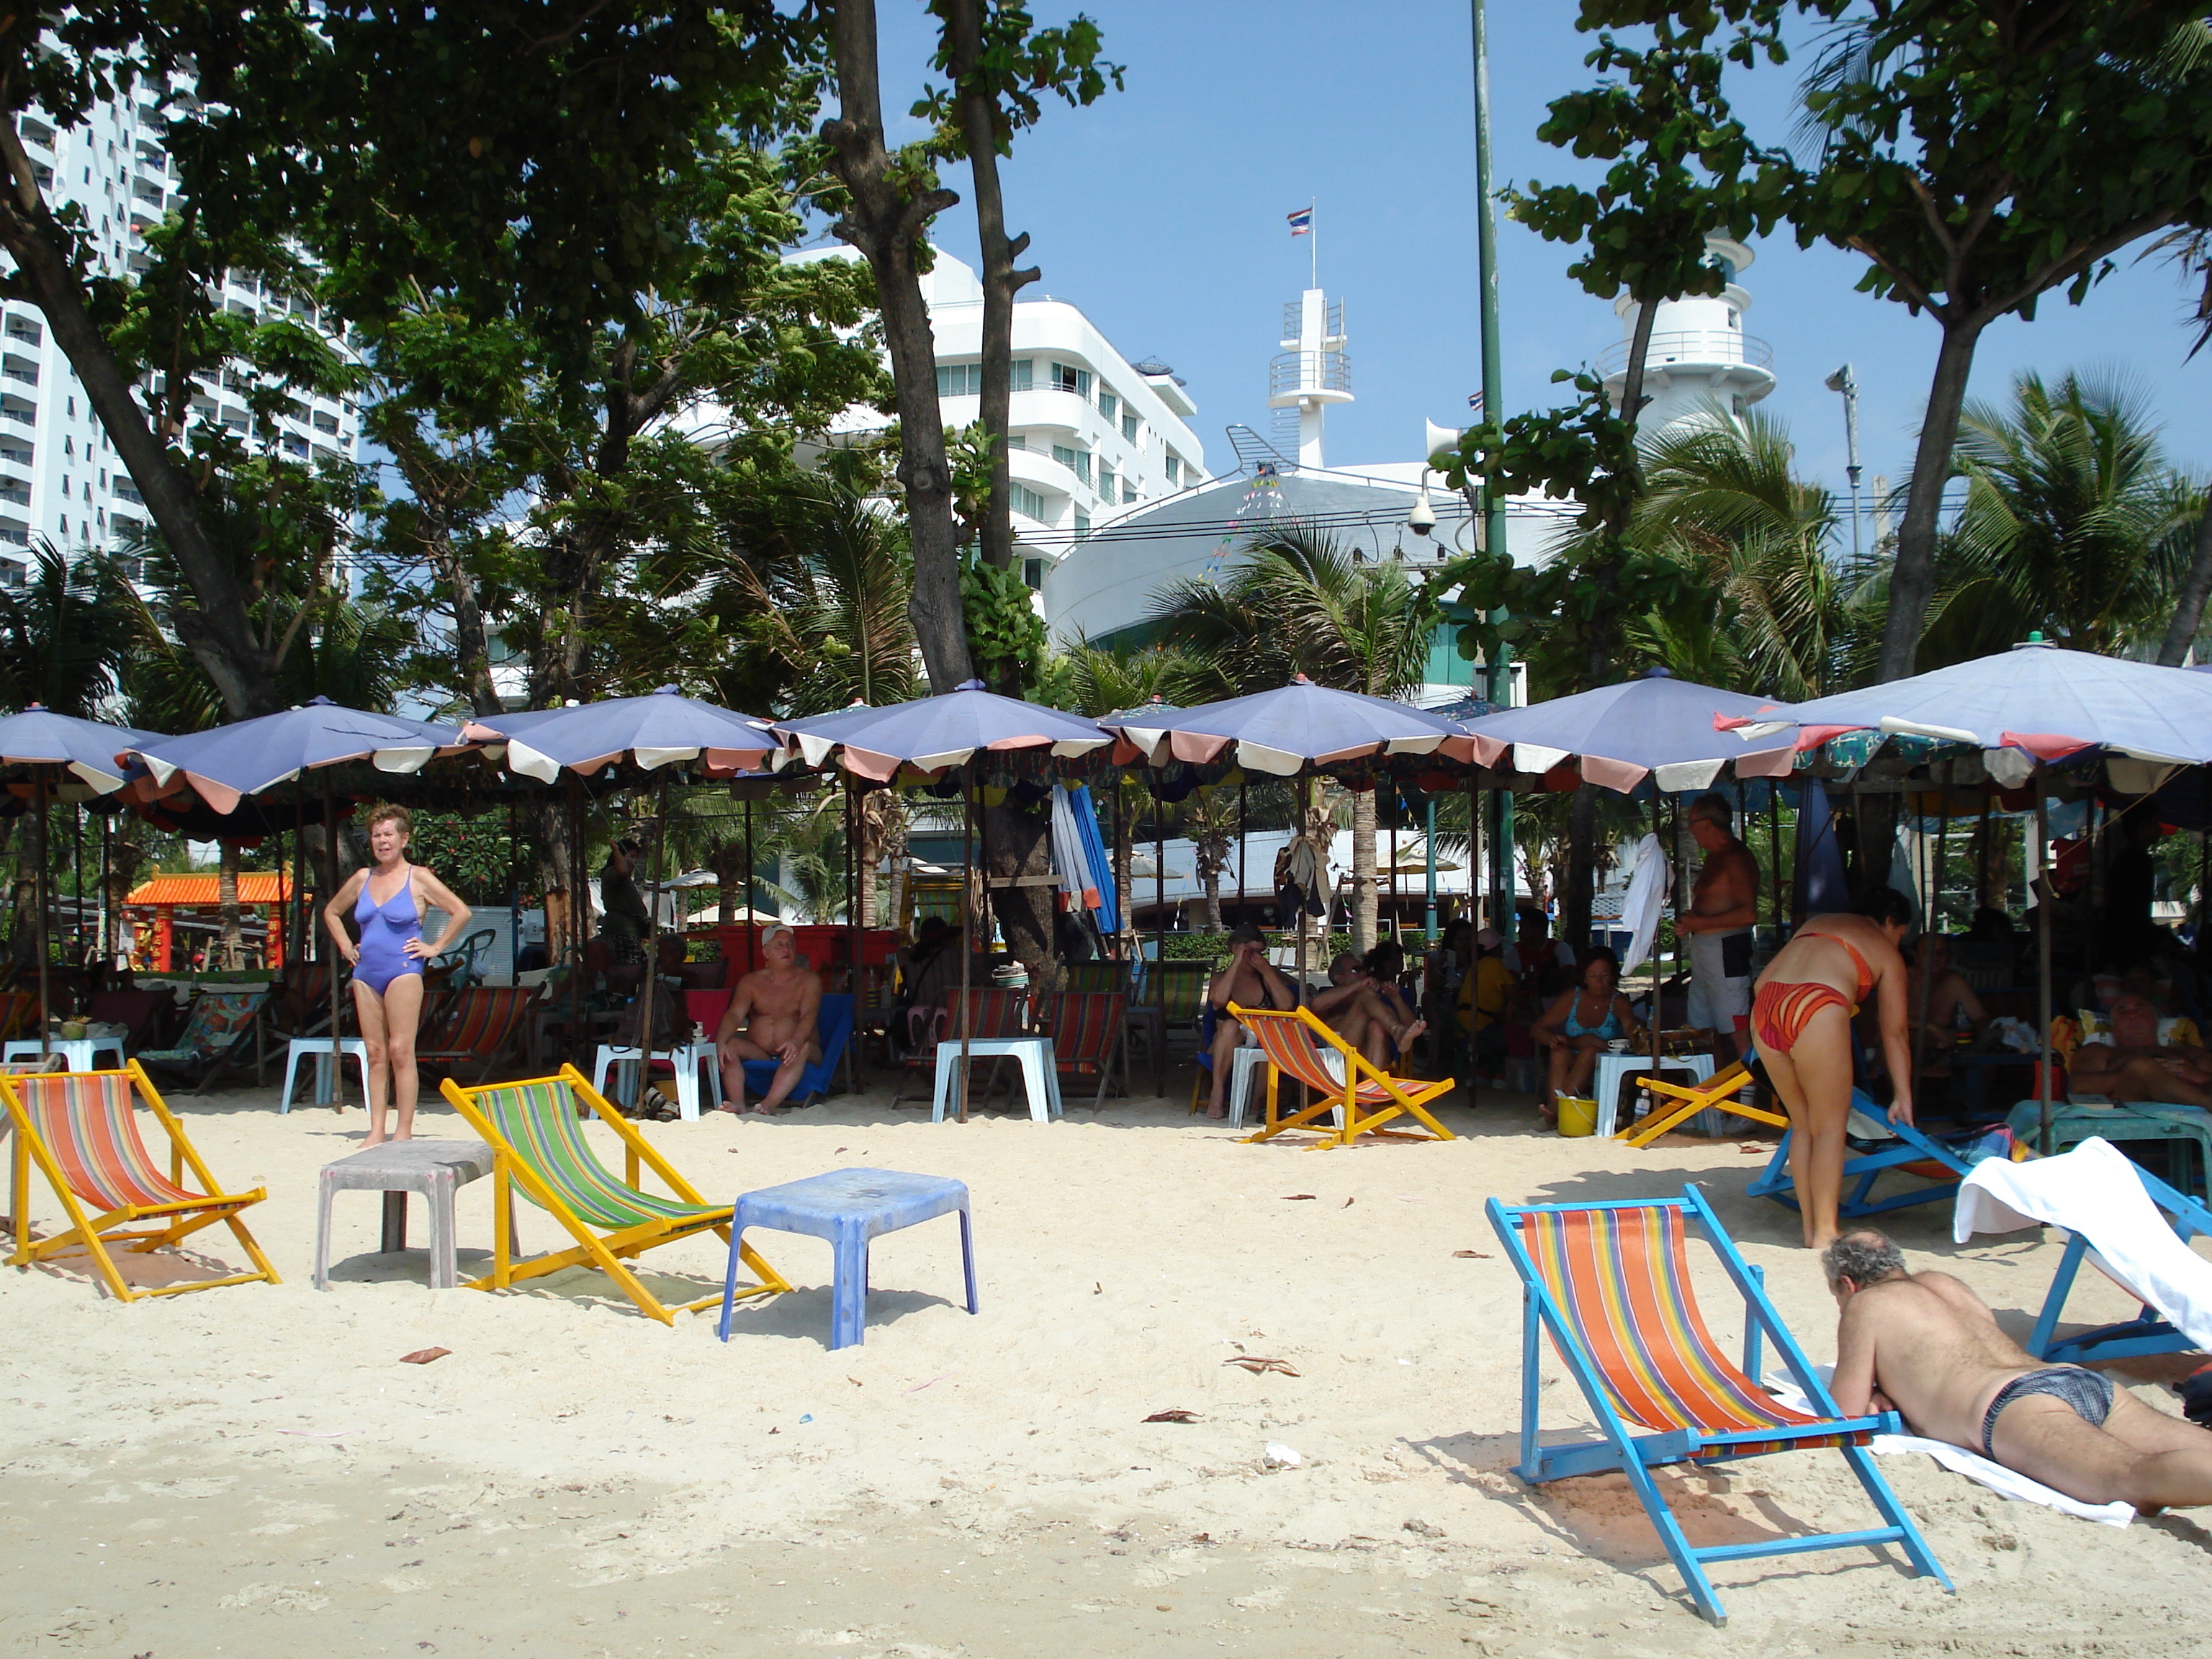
[848,1208]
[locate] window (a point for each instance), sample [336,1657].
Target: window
[1066,377]
[1082,521]
[1017,374]
[1105,484]
[1033,574]
[1175,470]
[1128,492]
[1129,427]
[1077,461]
[1108,405]
[1015,440]
[1026,502]
[959,379]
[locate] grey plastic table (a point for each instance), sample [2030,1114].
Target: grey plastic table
[435,1169]
[848,1208]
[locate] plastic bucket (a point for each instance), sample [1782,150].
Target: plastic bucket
[1577,1117]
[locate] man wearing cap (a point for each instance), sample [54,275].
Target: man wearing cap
[774,1014]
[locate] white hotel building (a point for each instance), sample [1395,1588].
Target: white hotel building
[59,479]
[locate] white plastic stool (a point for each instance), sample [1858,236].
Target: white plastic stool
[354,1049]
[1040,1077]
[1611,1068]
[1243,1062]
[79,1053]
[686,1060]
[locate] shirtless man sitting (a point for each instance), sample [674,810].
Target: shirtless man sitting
[1366,1009]
[1926,1347]
[1250,980]
[774,1015]
[2135,1065]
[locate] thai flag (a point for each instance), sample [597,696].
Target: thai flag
[1302,222]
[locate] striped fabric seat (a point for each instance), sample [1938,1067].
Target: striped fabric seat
[477,1028]
[1087,1029]
[220,1022]
[1180,989]
[81,1130]
[1610,1284]
[1360,1098]
[538,1145]
[997,1013]
[18,1013]
[1099,977]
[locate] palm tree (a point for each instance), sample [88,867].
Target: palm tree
[1209,818]
[63,641]
[1301,604]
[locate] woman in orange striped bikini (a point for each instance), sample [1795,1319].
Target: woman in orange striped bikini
[1800,1020]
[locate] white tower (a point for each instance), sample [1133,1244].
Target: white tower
[1699,354]
[1312,371]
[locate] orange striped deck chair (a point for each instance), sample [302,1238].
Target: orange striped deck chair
[1088,1032]
[483,1024]
[1359,1102]
[81,1129]
[998,1013]
[18,1014]
[1610,1284]
[1674,1104]
[538,1146]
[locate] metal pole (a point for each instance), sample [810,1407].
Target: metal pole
[967,922]
[2043,960]
[107,876]
[575,940]
[77,855]
[853,877]
[1243,886]
[2203,866]
[338,958]
[39,924]
[1774,853]
[1493,410]
[514,895]
[1429,920]
[646,995]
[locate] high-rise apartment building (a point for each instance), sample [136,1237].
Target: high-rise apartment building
[59,478]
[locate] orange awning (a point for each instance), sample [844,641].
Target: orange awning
[254,887]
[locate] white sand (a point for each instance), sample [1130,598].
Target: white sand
[249,1470]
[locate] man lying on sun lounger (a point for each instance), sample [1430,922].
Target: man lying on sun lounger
[1925,1346]
[2135,1065]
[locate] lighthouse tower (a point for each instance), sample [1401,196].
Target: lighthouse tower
[1699,355]
[1311,372]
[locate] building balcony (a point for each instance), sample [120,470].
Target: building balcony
[1318,376]
[1703,348]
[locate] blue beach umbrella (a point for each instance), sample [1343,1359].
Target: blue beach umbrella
[1655,727]
[660,729]
[931,733]
[1285,731]
[86,749]
[228,763]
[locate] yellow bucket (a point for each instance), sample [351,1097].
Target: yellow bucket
[1577,1117]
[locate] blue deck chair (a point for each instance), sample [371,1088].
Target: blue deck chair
[1904,1147]
[1610,1284]
[2149,1331]
[834,1023]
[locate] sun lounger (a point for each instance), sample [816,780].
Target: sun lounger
[81,1129]
[1674,1104]
[217,1032]
[2112,1206]
[1361,1101]
[1609,1283]
[539,1147]
[1903,1147]
[997,1013]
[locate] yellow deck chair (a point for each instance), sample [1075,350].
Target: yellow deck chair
[538,1146]
[1363,1098]
[1689,1099]
[81,1129]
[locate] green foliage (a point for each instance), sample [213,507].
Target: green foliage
[473,854]
[1005,633]
[1018,61]
[64,635]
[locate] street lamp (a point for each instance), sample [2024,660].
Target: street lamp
[1841,382]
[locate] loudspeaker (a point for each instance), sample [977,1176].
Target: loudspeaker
[1439,438]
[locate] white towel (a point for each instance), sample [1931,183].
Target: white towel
[1646,902]
[1957,1459]
[2096,1191]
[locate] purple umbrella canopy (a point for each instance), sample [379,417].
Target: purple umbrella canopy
[660,729]
[1286,729]
[1655,727]
[931,733]
[39,736]
[2035,702]
[230,762]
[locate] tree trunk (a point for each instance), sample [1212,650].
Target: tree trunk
[1020,845]
[1319,826]
[219,632]
[472,638]
[886,225]
[1364,900]
[979,125]
[226,884]
[1912,576]
[2189,603]
[1582,868]
[897,847]
[1125,893]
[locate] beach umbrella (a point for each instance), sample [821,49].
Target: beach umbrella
[1289,729]
[930,734]
[49,744]
[1654,726]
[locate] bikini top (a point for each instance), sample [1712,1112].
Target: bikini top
[1609,1027]
[1858,962]
[365,906]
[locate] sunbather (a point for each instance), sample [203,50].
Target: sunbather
[1926,1347]
[774,1014]
[1250,980]
[2133,1065]
[1366,1010]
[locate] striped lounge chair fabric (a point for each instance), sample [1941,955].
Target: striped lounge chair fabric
[1099,977]
[997,1013]
[1179,988]
[220,1024]
[476,1030]
[538,1146]
[81,1129]
[18,1013]
[1089,1035]
[1610,1285]
[1360,1098]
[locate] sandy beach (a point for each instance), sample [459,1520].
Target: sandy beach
[252,1470]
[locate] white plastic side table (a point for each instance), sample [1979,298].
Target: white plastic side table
[78,1051]
[1040,1077]
[1611,1068]
[353,1049]
[685,1059]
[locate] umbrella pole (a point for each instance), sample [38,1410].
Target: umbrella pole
[76,855]
[106,951]
[1429,918]
[750,925]
[853,877]
[1160,930]
[2203,865]
[1655,1021]
[2043,962]
[514,895]
[330,861]
[645,997]
[572,946]
[39,927]
[1774,853]
[1244,886]
[967,920]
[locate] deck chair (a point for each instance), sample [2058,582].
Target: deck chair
[538,1146]
[2126,1223]
[1099,977]
[221,1026]
[81,1129]
[1089,1034]
[1361,1100]
[461,967]
[1674,1104]
[1609,1283]
[1903,1147]
[998,1013]
[19,1013]
[1180,990]
[477,1029]
[834,1028]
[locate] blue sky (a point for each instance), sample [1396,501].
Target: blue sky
[1160,212]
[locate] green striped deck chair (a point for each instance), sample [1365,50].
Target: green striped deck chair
[1179,987]
[1099,977]
[538,1146]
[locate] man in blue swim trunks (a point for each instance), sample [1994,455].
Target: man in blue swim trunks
[1925,1346]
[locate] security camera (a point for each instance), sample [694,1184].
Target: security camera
[1422,519]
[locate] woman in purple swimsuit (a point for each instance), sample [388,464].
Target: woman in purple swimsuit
[387,901]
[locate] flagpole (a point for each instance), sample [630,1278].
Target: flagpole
[1314,250]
